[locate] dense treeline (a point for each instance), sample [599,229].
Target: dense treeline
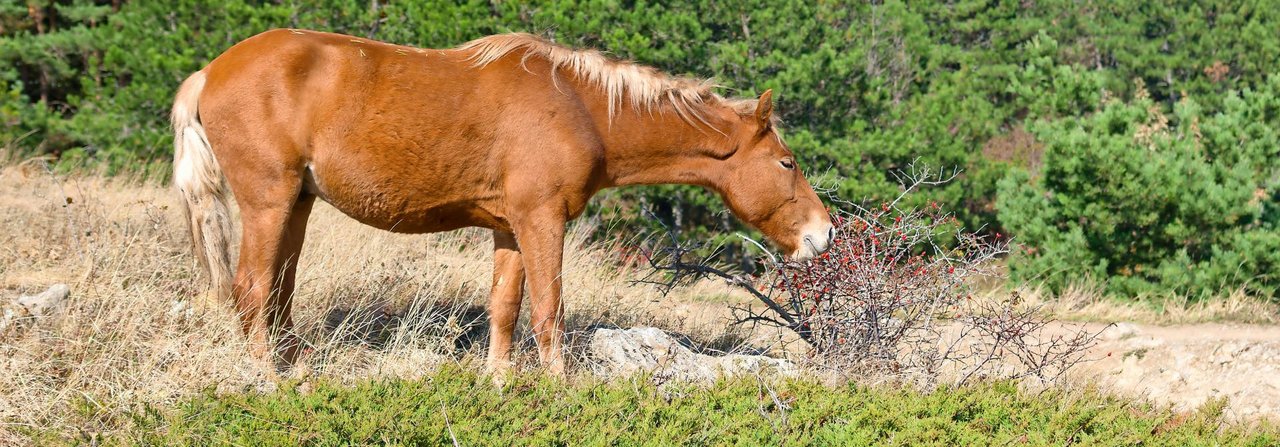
[1128,142]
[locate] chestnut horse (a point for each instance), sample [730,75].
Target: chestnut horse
[508,132]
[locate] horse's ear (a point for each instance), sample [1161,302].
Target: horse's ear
[764,110]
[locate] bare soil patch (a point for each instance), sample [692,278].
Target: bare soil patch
[1186,365]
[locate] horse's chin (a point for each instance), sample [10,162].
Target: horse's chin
[802,254]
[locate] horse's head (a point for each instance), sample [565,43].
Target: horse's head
[763,186]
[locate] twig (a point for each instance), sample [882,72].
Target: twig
[66,202]
[448,426]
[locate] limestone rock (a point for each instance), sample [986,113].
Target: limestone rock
[46,303]
[1120,331]
[21,313]
[624,352]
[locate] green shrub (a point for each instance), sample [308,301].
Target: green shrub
[455,404]
[1148,203]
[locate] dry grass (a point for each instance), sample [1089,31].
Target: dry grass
[1089,303]
[370,304]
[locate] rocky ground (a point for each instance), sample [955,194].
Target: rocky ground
[1184,365]
[1180,365]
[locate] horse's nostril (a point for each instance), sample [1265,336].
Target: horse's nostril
[831,234]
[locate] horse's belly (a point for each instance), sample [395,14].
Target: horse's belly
[407,205]
[414,219]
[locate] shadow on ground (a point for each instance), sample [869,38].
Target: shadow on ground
[465,329]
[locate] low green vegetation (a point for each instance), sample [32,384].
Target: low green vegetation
[454,403]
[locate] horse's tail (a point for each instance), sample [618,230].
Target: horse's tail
[199,182]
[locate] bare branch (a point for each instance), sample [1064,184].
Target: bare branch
[891,296]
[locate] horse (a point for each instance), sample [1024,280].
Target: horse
[509,132]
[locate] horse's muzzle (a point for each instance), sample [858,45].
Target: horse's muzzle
[815,240]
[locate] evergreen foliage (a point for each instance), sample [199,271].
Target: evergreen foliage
[1153,204]
[1005,88]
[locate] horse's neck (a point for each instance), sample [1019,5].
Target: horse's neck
[659,147]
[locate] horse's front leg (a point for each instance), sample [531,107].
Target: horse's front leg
[541,241]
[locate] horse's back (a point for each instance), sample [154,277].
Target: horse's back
[400,138]
[305,87]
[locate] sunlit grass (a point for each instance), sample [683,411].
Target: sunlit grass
[456,406]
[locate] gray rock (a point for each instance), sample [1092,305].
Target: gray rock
[46,303]
[10,317]
[625,352]
[1120,331]
[180,309]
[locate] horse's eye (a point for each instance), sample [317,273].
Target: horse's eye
[788,163]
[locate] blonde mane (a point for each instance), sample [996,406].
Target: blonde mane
[642,86]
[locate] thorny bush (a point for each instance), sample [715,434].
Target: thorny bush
[894,295]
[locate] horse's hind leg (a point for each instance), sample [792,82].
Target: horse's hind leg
[504,300]
[280,308]
[274,222]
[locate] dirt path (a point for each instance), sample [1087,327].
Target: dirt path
[1185,365]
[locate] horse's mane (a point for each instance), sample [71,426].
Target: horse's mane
[642,86]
